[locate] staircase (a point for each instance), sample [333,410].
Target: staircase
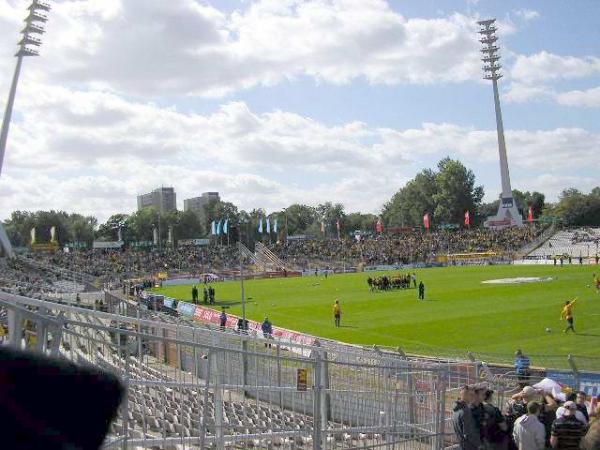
[268,259]
[536,243]
[246,253]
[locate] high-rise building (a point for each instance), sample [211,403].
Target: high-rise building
[197,204]
[163,199]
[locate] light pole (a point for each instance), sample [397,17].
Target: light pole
[508,214]
[242,275]
[34,25]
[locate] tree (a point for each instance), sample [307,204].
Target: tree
[18,228]
[407,206]
[81,228]
[358,221]
[109,230]
[140,224]
[445,194]
[578,209]
[188,226]
[455,192]
[526,199]
[69,227]
[327,214]
[486,210]
[299,218]
[218,210]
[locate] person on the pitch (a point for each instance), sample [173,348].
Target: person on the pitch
[194,294]
[337,313]
[567,314]
[421,291]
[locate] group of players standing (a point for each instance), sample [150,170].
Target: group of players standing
[385,283]
[208,295]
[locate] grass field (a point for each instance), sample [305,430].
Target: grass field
[459,314]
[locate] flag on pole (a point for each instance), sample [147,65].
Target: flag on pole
[530,214]
[379,226]
[322,227]
[260,225]
[226,226]
[268,226]
[53,234]
[426,221]
[213,228]
[275,226]
[338,227]
[33,239]
[467,219]
[219,228]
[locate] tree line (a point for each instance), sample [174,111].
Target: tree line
[445,193]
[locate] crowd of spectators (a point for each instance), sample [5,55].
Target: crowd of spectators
[115,265]
[406,248]
[532,420]
[589,235]
[123,264]
[18,278]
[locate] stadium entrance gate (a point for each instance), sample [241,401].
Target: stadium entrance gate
[195,387]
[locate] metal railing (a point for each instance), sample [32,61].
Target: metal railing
[195,387]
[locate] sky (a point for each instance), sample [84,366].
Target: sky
[272,102]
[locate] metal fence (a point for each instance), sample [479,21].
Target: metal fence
[196,387]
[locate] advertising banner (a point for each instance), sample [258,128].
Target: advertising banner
[212,316]
[186,309]
[107,244]
[196,242]
[169,302]
[588,382]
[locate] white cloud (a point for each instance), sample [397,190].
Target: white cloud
[76,144]
[522,92]
[533,78]
[153,47]
[589,98]
[545,66]
[93,152]
[556,183]
[527,14]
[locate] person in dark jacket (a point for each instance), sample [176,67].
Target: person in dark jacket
[494,425]
[267,330]
[223,319]
[469,435]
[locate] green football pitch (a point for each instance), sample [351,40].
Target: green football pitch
[460,312]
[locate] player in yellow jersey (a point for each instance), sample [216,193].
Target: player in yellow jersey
[337,313]
[567,314]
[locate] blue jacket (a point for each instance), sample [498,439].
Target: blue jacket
[266,327]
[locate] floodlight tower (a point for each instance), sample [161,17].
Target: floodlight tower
[508,214]
[28,45]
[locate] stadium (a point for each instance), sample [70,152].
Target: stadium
[307,327]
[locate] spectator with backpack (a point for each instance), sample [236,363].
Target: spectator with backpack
[494,425]
[465,428]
